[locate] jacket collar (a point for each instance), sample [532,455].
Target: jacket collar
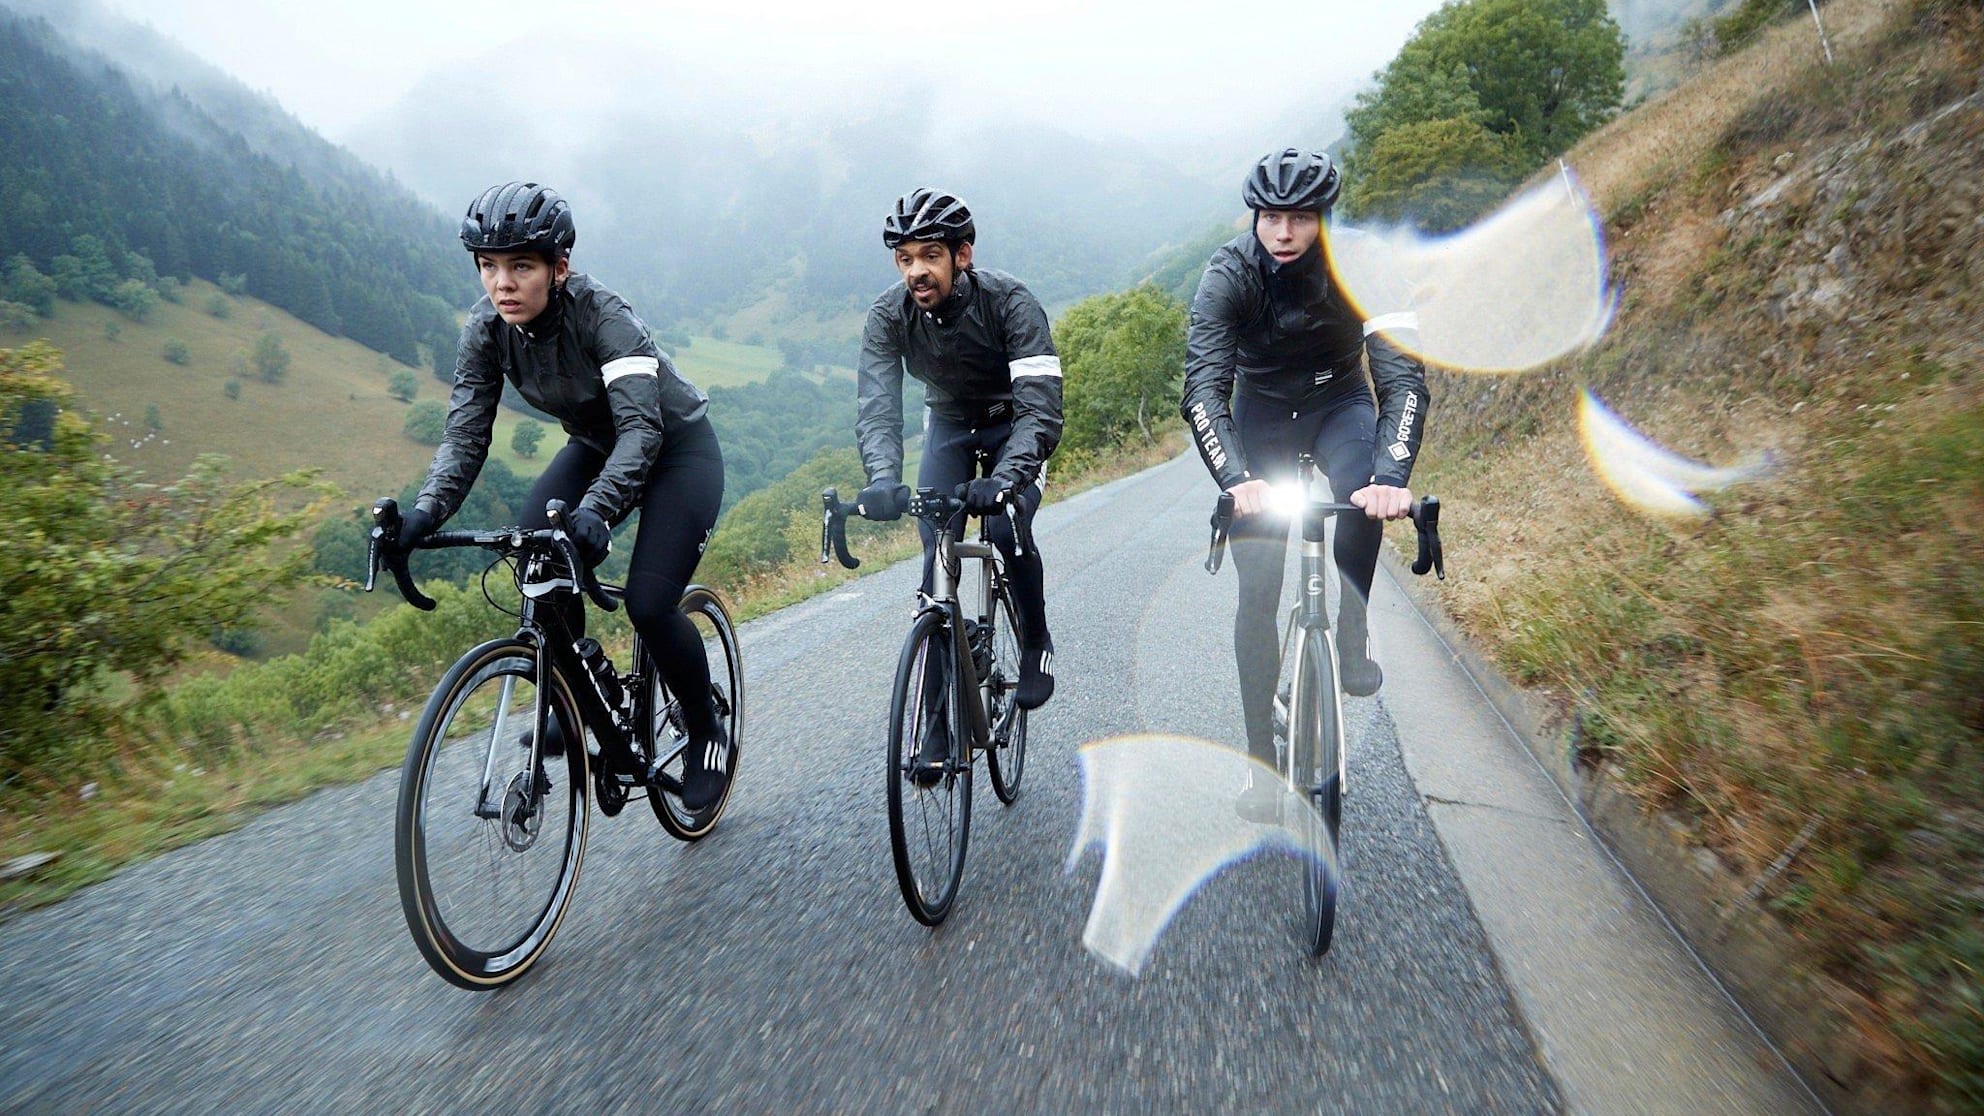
[546,324]
[954,303]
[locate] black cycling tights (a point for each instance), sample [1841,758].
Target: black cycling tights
[949,459]
[1339,434]
[678,509]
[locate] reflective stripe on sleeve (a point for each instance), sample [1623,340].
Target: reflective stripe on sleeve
[1388,322]
[1049,365]
[630,366]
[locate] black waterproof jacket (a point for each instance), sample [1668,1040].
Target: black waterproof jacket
[1287,335]
[986,356]
[588,362]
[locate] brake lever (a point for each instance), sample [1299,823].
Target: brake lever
[1222,522]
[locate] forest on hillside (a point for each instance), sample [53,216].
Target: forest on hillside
[109,182]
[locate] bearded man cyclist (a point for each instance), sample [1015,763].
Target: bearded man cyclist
[1275,367]
[640,440]
[979,341]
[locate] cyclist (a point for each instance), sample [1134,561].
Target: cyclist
[979,342]
[1274,366]
[640,440]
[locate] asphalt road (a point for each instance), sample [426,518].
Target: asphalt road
[772,966]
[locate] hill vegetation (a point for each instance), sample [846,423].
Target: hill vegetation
[110,183]
[1794,680]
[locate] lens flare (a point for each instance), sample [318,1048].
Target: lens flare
[1517,289]
[1163,810]
[1648,476]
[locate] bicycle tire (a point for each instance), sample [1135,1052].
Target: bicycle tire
[707,611]
[1315,773]
[929,827]
[1006,758]
[458,849]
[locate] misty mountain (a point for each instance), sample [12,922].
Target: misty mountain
[210,183]
[697,201]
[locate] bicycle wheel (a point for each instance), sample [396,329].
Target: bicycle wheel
[706,611]
[1007,756]
[1316,773]
[489,833]
[929,826]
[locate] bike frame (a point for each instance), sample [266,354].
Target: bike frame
[558,654]
[943,599]
[1309,634]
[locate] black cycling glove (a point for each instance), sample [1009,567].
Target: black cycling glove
[416,523]
[986,494]
[590,534]
[884,501]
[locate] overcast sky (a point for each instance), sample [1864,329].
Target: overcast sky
[1111,67]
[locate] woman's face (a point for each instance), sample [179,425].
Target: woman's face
[519,283]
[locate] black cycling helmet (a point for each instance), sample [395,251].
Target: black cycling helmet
[926,214]
[519,217]
[1292,179]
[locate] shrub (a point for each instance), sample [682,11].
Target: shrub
[134,299]
[426,422]
[16,317]
[175,351]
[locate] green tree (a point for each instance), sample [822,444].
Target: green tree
[426,422]
[1122,358]
[402,385]
[270,357]
[219,306]
[112,576]
[154,421]
[1440,174]
[175,351]
[133,299]
[70,281]
[525,438]
[236,285]
[16,317]
[99,274]
[1535,74]
[231,389]
[26,284]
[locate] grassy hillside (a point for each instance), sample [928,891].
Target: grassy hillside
[1793,681]
[710,363]
[331,410]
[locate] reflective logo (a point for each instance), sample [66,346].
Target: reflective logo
[1208,440]
[1399,451]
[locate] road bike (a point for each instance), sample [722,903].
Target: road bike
[950,652]
[492,819]
[1308,706]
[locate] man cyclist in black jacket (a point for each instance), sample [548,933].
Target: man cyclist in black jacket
[979,341]
[1274,367]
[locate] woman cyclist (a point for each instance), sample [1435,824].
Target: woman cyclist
[640,440]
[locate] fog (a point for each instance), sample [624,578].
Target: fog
[1153,70]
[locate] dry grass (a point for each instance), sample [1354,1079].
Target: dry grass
[1814,650]
[1673,134]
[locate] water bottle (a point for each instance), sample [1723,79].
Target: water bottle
[603,677]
